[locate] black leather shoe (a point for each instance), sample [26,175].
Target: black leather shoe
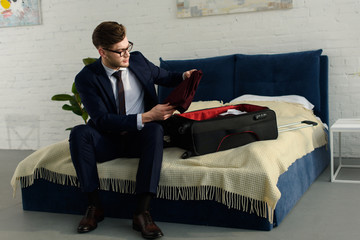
[144,224]
[89,222]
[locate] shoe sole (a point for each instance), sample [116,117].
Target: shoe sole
[137,228]
[91,229]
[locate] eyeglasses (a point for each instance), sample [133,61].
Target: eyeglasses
[123,51]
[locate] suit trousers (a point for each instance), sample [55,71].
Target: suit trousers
[88,147]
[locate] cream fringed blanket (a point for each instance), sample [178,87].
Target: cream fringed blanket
[243,178]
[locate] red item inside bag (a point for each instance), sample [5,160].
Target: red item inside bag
[209,113]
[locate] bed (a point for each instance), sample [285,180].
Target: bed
[219,189]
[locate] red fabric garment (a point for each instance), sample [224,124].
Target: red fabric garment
[182,96]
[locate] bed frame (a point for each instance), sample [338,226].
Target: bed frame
[228,71]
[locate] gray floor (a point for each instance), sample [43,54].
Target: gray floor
[327,211]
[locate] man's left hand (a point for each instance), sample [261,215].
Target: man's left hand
[187,74]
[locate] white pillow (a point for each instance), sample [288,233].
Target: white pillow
[285,98]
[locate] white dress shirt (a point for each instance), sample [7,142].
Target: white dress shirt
[133,91]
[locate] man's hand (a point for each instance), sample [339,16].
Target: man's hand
[158,113]
[187,74]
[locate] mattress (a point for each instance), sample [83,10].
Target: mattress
[47,190]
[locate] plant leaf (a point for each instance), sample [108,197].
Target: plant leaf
[61,97]
[67,107]
[89,60]
[78,99]
[75,108]
[85,116]
[77,111]
[73,101]
[73,89]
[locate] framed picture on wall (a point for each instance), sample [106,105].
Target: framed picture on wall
[19,13]
[198,8]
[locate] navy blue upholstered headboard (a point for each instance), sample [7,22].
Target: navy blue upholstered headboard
[217,82]
[230,76]
[324,89]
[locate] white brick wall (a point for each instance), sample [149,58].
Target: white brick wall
[39,61]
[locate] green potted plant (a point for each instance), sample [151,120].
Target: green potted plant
[75,105]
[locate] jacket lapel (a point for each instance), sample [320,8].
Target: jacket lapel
[104,83]
[142,74]
[140,71]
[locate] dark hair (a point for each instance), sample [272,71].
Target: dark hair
[108,33]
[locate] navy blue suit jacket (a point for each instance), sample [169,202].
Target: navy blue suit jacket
[98,98]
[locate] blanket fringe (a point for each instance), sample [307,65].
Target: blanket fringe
[54,177]
[117,185]
[229,199]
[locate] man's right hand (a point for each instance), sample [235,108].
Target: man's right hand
[158,113]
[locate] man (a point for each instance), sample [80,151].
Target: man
[119,94]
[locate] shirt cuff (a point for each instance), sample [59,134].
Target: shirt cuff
[140,125]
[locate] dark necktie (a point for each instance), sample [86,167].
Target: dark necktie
[120,90]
